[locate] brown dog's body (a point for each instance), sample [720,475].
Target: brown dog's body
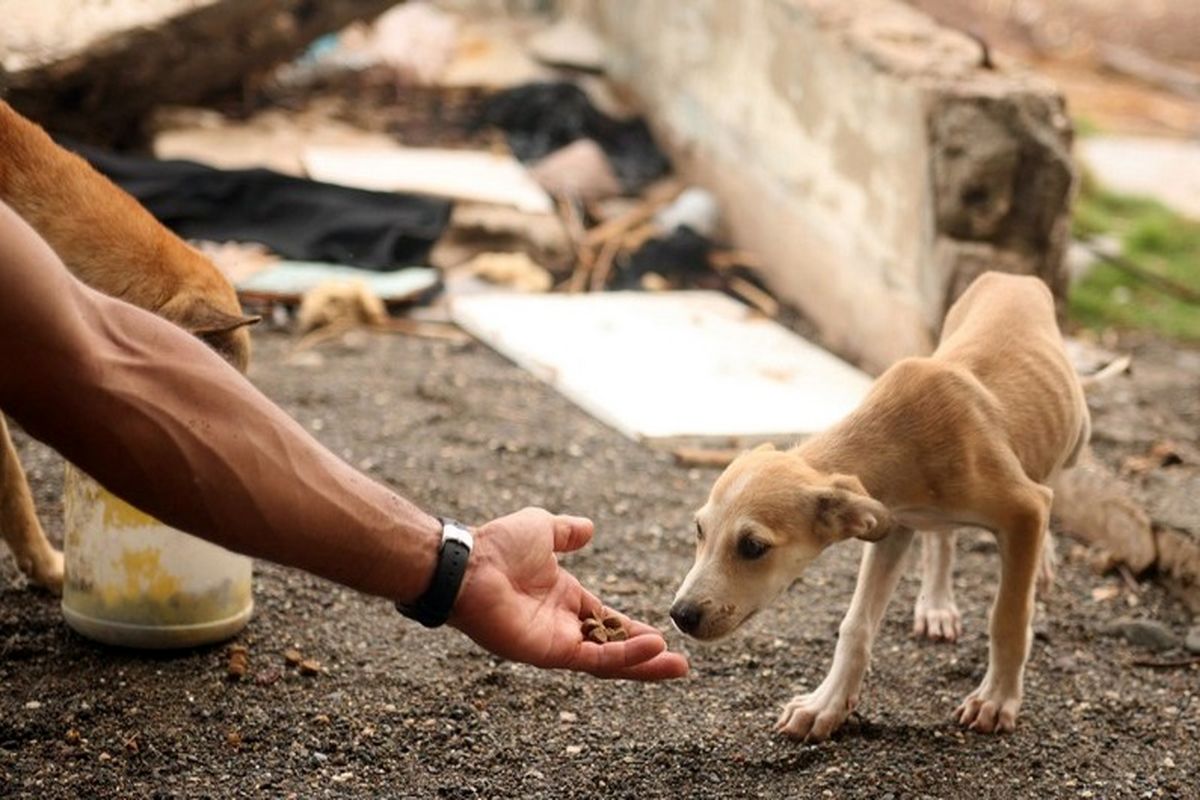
[972,435]
[115,246]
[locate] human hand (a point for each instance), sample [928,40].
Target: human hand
[517,602]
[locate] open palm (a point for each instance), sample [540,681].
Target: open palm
[517,602]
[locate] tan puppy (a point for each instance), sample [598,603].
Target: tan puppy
[972,435]
[114,245]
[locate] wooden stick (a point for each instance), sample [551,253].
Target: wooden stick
[754,296]
[1171,663]
[704,457]
[604,263]
[584,258]
[655,199]
[1160,282]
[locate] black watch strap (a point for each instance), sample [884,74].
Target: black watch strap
[433,607]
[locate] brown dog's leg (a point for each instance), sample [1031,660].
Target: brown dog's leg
[936,615]
[814,716]
[19,523]
[1021,536]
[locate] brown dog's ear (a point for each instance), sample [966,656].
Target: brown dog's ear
[846,511]
[210,321]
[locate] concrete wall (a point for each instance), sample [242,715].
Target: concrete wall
[864,152]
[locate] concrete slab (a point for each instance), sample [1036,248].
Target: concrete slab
[1167,170]
[671,364]
[457,174]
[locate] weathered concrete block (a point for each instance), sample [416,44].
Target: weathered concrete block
[93,69]
[867,154]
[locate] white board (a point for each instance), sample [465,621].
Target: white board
[456,174]
[668,364]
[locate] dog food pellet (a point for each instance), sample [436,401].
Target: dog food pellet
[239,657]
[292,657]
[602,629]
[310,667]
[72,736]
[234,739]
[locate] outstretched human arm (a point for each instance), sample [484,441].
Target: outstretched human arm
[163,422]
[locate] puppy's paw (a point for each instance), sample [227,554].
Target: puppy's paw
[989,709]
[936,620]
[815,716]
[45,570]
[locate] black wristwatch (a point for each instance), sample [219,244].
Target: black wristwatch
[433,607]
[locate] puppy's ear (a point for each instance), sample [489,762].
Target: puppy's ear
[845,511]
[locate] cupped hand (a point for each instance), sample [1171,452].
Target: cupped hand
[517,602]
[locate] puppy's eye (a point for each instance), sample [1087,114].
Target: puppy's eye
[699,532]
[750,548]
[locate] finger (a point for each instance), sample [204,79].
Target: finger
[613,658]
[571,533]
[663,667]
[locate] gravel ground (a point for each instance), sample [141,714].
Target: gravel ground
[403,712]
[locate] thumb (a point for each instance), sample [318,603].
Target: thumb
[571,533]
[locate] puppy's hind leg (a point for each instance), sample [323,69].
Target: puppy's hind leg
[814,716]
[19,523]
[935,615]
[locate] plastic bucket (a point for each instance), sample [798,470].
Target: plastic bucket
[134,582]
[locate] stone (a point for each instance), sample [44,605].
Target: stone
[1192,642]
[1145,633]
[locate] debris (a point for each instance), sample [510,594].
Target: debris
[235,667]
[513,270]
[339,304]
[72,737]
[310,667]
[294,217]
[1161,454]
[574,749]
[1106,592]
[288,281]
[234,739]
[478,227]
[568,43]
[639,361]
[1172,663]
[681,257]
[268,676]
[567,716]
[454,174]
[753,295]
[580,169]
[539,118]
[704,457]
[1093,504]
[272,139]
[292,657]
[1192,642]
[1143,633]
[415,39]
[694,208]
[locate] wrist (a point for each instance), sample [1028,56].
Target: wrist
[422,560]
[433,607]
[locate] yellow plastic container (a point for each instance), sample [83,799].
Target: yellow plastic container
[135,582]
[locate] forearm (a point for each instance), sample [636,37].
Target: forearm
[163,422]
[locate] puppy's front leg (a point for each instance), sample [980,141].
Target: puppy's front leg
[936,614]
[19,523]
[994,705]
[814,716]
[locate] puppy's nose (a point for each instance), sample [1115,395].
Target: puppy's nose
[686,616]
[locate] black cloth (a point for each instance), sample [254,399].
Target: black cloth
[539,118]
[681,257]
[294,217]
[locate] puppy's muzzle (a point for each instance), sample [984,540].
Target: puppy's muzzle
[686,616]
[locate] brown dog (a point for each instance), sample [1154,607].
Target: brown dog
[112,244]
[972,435]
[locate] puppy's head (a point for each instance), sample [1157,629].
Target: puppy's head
[768,516]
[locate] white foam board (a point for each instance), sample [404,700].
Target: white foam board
[458,174]
[668,364]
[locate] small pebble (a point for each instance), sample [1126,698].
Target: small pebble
[33,705]
[1193,639]
[72,737]
[293,657]
[310,667]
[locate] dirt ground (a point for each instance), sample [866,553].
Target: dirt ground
[401,712]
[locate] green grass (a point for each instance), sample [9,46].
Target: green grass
[1157,240]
